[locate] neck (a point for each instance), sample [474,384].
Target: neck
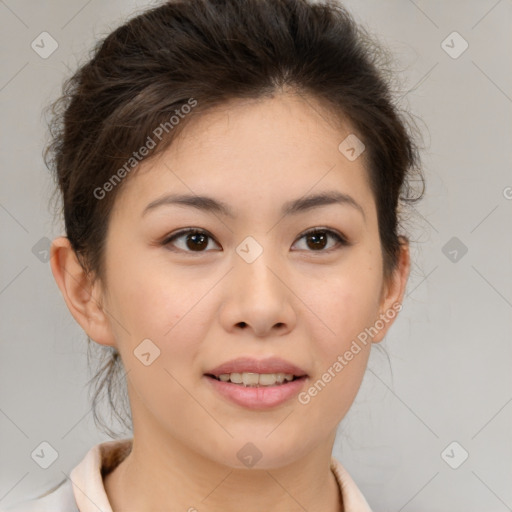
[165,475]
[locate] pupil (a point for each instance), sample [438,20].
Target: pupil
[197,241]
[319,240]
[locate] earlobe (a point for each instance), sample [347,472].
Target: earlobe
[394,290]
[82,296]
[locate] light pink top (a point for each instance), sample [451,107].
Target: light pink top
[84,491]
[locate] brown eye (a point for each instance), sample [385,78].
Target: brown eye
[318,240]
[197,241]
[189,240]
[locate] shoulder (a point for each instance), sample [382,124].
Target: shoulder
[353,500]
[58,499]
[83,490]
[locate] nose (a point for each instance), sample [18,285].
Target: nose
[258,298]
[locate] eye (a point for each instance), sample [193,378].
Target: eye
[198,240]
[317,239]
[190,240]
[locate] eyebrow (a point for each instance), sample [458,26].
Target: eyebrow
[209,204]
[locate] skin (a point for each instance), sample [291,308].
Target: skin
[204,308]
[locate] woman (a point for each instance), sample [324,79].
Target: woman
[231,175]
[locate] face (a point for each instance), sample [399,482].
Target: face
[252,280]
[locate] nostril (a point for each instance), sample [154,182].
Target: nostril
[242,324]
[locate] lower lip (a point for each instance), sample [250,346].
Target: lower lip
[262,397]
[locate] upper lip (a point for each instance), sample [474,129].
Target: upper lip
[251,365]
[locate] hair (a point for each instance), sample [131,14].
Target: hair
[210,52]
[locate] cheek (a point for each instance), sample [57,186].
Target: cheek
[149,294]
[330,395]
[344,306]
[157,303]
[166,311]
[341,359]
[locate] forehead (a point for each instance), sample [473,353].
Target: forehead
[248,152]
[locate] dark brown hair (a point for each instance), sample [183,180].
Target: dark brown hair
[212,51]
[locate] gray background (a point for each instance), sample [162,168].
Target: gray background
[450,376]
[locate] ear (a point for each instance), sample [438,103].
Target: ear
[393,291]
[83,296]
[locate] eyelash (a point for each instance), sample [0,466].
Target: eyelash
[340,239]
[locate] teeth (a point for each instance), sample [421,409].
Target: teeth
[256,379]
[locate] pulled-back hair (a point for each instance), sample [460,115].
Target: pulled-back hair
[205,53]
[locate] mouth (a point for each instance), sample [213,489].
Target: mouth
[255,380]
[251,372]
[257,385]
